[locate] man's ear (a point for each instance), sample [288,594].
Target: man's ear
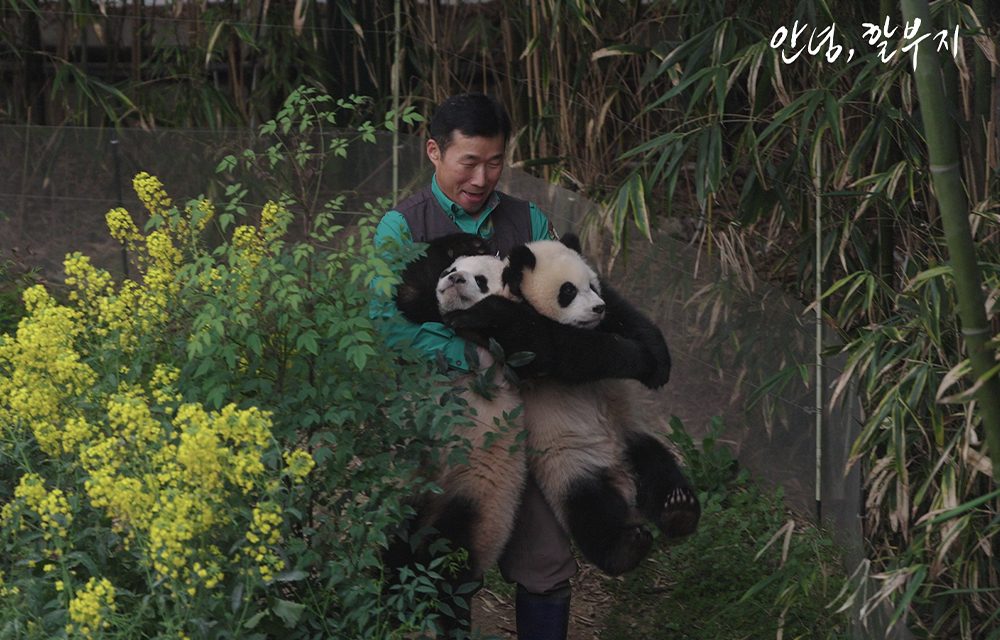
[433,151]
[572,241]
[520,258]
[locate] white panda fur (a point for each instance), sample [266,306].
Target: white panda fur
[494,477]
[478,501]
[586,449]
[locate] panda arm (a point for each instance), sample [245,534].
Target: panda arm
[415,295]
[563,352]
[623,319]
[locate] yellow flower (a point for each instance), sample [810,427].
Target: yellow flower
[122,227]
[52,509]
[264,534]
[200,214]
[274,220]
[298,464]
[151,194]
[90,606]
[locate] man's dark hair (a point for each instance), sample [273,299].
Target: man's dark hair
[471,114]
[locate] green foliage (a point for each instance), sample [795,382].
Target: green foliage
[754,147]
[13,282]
[222,450]
[929,488]
[724,581]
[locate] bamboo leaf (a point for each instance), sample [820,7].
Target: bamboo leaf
[915,582]
[618,50]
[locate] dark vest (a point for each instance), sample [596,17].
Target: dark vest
[427,220]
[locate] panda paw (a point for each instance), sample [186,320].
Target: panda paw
[627,548]
[681,513]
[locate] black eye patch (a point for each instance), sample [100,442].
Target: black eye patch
[483,283]
[447,271]
[567,293]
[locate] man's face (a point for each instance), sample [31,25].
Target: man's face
[469,169]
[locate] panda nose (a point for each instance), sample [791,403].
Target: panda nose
[599,309]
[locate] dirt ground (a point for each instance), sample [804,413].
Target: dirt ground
[493,614]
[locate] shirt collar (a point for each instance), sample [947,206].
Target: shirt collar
[466,222]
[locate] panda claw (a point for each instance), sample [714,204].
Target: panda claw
[681,513]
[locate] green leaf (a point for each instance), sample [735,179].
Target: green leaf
[916,581]
[308,342]
[965,507]
[290,612]
[254,620]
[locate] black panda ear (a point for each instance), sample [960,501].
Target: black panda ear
[572,241]
[520,258]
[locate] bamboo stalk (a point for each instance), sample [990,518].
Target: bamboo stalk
[942,146]
[982,93]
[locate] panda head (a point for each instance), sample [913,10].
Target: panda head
[467,281]
[556,281]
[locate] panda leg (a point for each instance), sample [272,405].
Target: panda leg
[601,523]
[663,494]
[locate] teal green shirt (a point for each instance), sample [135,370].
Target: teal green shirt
[433,337]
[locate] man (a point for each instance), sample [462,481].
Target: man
[467,145]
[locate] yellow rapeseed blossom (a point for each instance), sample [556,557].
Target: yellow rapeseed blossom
[122,227]
[77,432]
[88,284]
[90,606]
[151,194]
[7,591]
[162,386]
[200,214]
[173,479]
[263,535]
[129,418]
[48,510]
[274,220]
[46,370]
[298,464]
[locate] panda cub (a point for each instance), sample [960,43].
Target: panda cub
[595,463]
[475,509]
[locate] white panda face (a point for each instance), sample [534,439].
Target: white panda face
[467,281]
[562,286]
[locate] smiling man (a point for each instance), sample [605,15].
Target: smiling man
[467,145]
[468,141]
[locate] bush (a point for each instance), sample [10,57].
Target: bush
[218,449]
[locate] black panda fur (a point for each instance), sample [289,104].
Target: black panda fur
[597,466]
[478,502]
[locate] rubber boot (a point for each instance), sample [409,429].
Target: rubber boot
[542,616]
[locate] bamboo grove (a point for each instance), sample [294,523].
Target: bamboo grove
[667,111]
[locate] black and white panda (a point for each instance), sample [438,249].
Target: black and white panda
[478,500]
[598,467]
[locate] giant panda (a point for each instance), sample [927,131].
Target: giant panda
[597,466]
[478,500]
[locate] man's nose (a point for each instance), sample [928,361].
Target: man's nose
[479,176]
